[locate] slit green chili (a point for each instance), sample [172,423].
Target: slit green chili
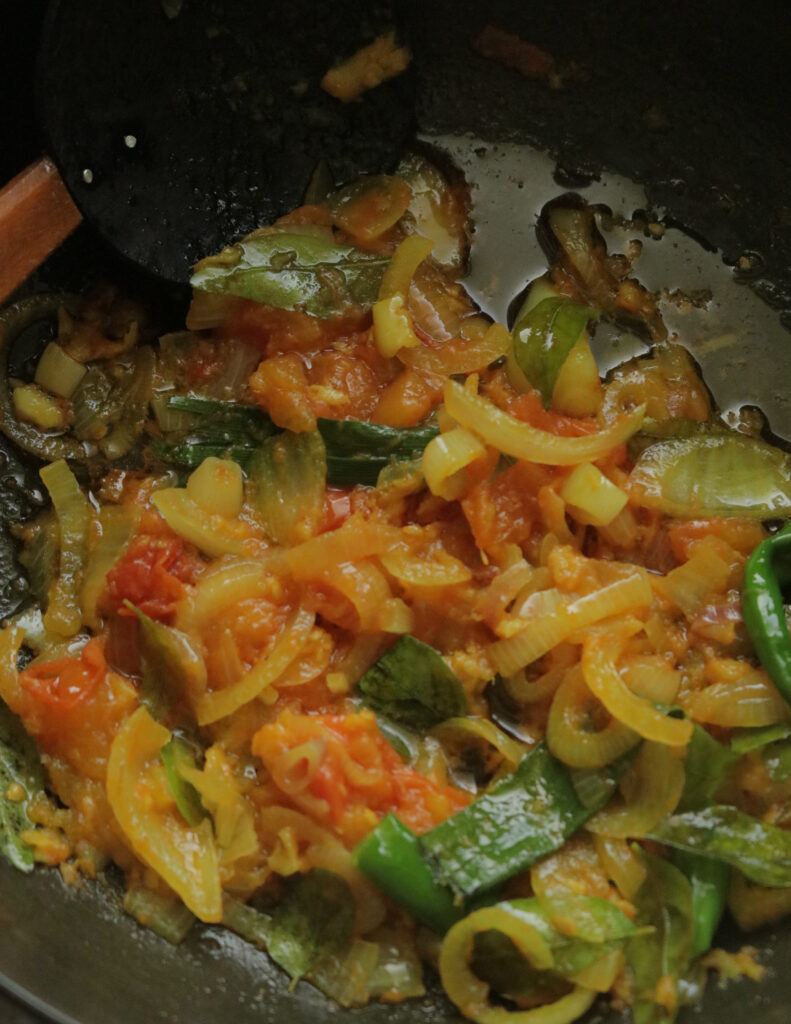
[390,856]
[526,816]
[767,571]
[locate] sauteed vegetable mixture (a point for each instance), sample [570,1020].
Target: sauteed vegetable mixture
[396,640]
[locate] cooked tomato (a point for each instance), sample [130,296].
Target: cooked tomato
[530,409]
[152,574]
[341,770]
[67,681]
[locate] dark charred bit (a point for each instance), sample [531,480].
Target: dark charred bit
[573,176]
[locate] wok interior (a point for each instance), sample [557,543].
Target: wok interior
[717,165]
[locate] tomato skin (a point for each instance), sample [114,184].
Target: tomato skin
[337,508]
[152,574]
[67,682]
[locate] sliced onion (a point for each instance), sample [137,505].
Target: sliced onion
[116,524]
[213,535]
[622,864]
[574,228]
[650,676]
[656,780]
[445,459]
[435,569]
[184,857]
[408,256]
[493,601]
[509,750]
[599,656]
[749,702]
[358,538]
[512,437]
[471,995]
[222,589]
[11,638]
[567,737]
[713,475]
[364,585]
[219,703]
[541,635]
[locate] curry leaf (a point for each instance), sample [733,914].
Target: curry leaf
[759,850]
[171,667]
[295,271]
[664,903]
[21,778]
[713,474]
[777,760]
[177,754]
[412,685]
[251,924]
[357,451]
[707,765]
[544,337]
[314,920]
[745,740]
[162,913]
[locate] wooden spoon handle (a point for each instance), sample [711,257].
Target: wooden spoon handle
[36,215]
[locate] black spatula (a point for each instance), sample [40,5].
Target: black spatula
[177,131]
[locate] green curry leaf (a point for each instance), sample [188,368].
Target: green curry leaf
[20,770]
[707,765]
[544,337]
[171,667]
[759,850]
[664,904]
[412,685]
[295,271]
[177,755]
[314,920]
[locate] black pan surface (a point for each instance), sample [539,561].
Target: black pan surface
[686,97]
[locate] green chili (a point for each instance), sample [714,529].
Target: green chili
[521,819]
[390,857]
[767,571]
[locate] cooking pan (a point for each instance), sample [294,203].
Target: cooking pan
[678,107]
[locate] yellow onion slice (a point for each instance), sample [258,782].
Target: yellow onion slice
[569,739]
[460,355]
[653,786]
[542,634]
[512,437]
[218,703]
[445,460]
[599,655]
[185,857]
[748,702]
[471,995]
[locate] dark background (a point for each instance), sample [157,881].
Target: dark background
[690,98]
